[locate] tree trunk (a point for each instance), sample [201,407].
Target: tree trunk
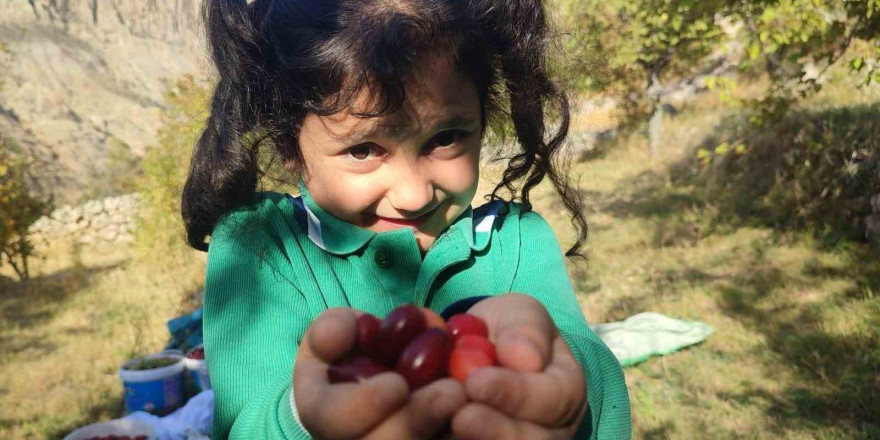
[655,130]
[655,125]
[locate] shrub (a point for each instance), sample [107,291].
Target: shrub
[20,207]
[813,170]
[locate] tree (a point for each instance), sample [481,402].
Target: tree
[630,47]
[798,41]
[19,209]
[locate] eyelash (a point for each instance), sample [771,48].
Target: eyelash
[459,135]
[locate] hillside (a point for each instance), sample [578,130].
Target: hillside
[83,77]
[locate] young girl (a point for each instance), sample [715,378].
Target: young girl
[379,108]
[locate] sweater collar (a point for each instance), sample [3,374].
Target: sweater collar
[339,237]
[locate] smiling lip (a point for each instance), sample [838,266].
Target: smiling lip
[409,222]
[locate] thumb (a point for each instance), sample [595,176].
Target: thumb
[331,336]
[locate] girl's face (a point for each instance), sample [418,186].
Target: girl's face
[418,167]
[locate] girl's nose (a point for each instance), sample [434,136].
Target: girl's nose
[412,194]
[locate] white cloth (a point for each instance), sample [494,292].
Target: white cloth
[648,334]
[190,422]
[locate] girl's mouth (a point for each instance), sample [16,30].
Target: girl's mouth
[410,222]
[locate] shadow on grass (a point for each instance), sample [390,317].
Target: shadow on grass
[30,304]
[813,174]
[836,375]
[55,427]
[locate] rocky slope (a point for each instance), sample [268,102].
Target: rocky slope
[81,77]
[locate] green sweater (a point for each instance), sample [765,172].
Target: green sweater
[276,265]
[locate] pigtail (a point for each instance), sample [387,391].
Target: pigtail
[519,33]
[224,171]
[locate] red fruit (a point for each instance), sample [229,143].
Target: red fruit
[198,353]
[465,324]
[462,362]
[400,327]
[357,369]
[367,329]
[425,358]
[477,343]
[432,319]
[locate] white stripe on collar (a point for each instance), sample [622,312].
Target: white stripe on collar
[485,222]
[315,233]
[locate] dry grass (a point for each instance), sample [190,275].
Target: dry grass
[66,332]
[796,351]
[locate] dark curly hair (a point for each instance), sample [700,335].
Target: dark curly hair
[278,60]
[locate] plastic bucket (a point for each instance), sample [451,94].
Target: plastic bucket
[198,371]
[119,427]
[158,390]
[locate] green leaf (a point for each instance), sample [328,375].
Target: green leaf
[858,64]
[754,50]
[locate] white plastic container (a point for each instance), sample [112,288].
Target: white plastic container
[157,390]
[128,427]
[198,371]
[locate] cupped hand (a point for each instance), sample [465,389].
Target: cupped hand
[381,407]
[538,393]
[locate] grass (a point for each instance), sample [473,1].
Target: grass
[795,354]
[67,330]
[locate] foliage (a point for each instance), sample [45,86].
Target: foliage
[811,170]
[19,209]
[159,235]
[627,46]
[798,41]
[630,46]
[117,174]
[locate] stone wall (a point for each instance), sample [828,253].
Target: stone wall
[104,221]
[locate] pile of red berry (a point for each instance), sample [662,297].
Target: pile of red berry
[198,354]
[416,343]
[118,437]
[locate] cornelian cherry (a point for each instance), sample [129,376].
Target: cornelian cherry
[462,362]
[425,358]
[466,324]
[357,369]
[367,329]
[400,327]
[478,343]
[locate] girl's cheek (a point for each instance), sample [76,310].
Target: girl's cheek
[459,175]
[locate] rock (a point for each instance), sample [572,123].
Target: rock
[108,235]
[101,220]
[93,207]
[86,239]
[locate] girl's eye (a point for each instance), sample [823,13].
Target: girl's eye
[362,152]
[448,138]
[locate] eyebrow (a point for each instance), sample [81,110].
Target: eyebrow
[398,131]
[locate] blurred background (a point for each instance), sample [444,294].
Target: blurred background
[728,153]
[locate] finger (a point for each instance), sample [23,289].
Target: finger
[552,398]
[428,413]
[345,410]
[341,410]
[479,422]
[331,335]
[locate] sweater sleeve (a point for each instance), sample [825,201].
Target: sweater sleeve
[544,276]
[254,319]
